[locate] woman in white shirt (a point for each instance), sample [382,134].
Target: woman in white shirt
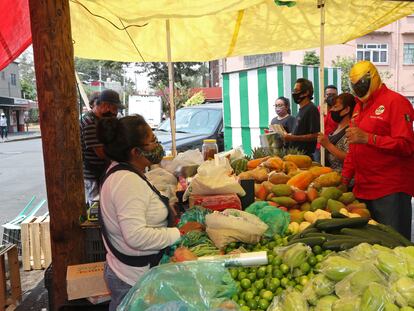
[134,215]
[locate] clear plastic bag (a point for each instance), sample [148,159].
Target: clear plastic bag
[291,300]
[347,304]
[403,289]
[336,267]
[275,218]
[294,255]
[375,297]
[187,158]
[198,285]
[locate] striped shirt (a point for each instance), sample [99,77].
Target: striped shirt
[93,166]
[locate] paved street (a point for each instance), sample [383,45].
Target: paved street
[21,177]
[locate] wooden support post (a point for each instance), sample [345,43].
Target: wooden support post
[59,123]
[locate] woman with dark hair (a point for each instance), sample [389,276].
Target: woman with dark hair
[134,215]
[336,144]
[282,108]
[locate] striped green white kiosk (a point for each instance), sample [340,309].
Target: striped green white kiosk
[249,96]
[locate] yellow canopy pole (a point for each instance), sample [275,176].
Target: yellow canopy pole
[322,104]
[171,89]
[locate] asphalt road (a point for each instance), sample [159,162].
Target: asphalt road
[21,177]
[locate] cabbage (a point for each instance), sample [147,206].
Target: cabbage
[336,267]
[403,289]
[325,303]
[375,297]
[346,305]
[296,254]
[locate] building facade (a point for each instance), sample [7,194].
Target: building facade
[11,103]
[390,48]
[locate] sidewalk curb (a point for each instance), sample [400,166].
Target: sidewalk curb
[23,138]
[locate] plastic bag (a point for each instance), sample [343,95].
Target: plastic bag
[326,303]
[356,283]
[319,286]
[187,158]
[291,300]
[295,254]
[233,226]
[336,268]
[375,297]
[275,218]
[196,213]
[403,290]
[200,285]
[347,304]
[213,178]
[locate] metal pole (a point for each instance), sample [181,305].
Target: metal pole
[100,78]
[322,104]
[171,89]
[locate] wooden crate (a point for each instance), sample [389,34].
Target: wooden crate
[10,286]
[36,249]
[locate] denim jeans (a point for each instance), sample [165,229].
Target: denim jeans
[117,287]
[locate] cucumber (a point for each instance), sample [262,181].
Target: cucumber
[336,214]
[327,236]
[339,223]
[369,233]
[293,237]
[308,230]
[336,245]
[312,241]
[395,234]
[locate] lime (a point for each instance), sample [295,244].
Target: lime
[279,241]
[317,250]
[272,245]
[275,237]
[270,258]
[299,287]
[275,282]
[267,281]
[234,273]
[305,267]
[261,272]
[285,241]
[284,282]
[268,295]
[277,273]
[241,302]
[279,291]
[235,297]
[254,289]
[318,266]
[312,260]
[245,283]
[303,280]
[292,283]
[297,272]
[252,304]
[269,270]
[242,275]
[241,295]
[319,257]
[277,261]
[257,298]
[284,268]
[253,269]
[252,276]
[272,287]
[259,285]
[245,308]
[263,304]
[248,295]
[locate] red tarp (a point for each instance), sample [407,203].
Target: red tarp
[15,33]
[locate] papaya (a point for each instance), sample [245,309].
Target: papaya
[278,178]
[268,185]
[354,206]
[274,163]
[363,212]
[289,167]
[259,174]
[332,179]
[347,198]
[299,196]
[301,161]
[252,164]
[331,193]
[318,203]
[312,194]
[320,170]
[284,201]
[334,206]
[301,180]
[260,192]
[282,190]
[296,215]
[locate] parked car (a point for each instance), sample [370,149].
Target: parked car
[193,125]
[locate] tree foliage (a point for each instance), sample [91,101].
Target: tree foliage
[310,58]
[186,74]
[27,76]
[345,63]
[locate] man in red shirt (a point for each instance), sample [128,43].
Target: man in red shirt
[381,150]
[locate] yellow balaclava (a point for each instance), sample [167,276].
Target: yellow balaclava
[364,80]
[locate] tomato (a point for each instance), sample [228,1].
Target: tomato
[245,283]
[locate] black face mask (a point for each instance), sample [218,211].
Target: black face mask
[330,100]
[108,114]
[298,97]
[336,115]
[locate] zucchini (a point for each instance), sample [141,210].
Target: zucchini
[339,223]
[336,245]
[336,214]
[395,234]
[308,230]
[293,237]
[327,236]
[312,241]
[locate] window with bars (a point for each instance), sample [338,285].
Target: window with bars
[408,53]
[375,53]
[13,80]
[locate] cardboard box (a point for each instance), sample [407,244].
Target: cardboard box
[86,280]
[99,299]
